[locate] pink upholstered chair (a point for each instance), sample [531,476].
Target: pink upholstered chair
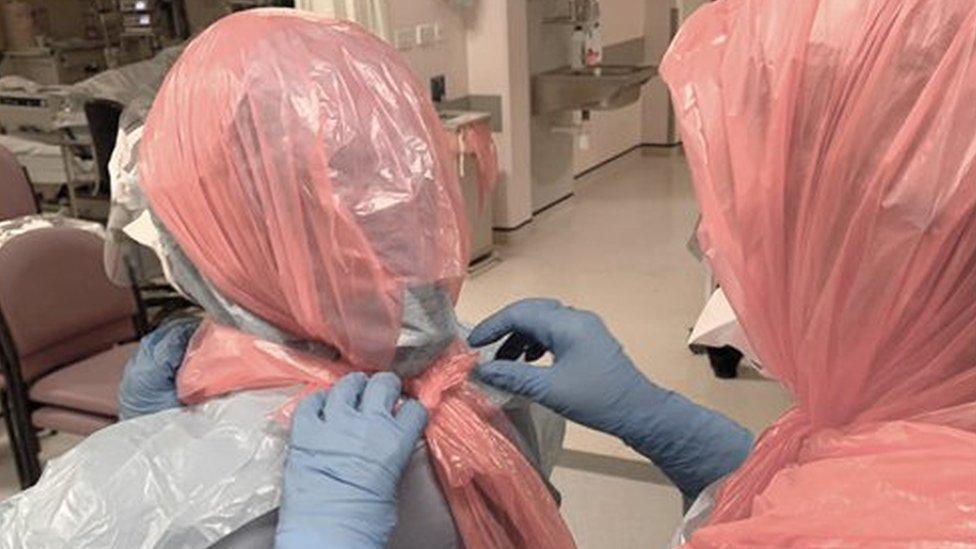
[8,423]
[66,333]
[16,199]
[16,194]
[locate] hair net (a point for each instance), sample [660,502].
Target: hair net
[834,158]
[299,166]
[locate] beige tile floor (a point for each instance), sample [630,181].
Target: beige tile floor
[617,247]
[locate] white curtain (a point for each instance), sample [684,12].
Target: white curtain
[372,14]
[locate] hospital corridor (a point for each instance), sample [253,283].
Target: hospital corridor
[487,274]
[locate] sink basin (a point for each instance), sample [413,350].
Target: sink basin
[600,88]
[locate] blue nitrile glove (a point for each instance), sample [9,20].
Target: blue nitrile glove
[149,383]
[594,383]
[348,452]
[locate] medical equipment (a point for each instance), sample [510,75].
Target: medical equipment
[46,128]
[61,63]
[28,109]
[34,131]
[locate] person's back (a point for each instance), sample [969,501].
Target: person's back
[302,191]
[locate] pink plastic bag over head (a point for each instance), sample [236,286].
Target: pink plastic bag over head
[301,168]
[833,150]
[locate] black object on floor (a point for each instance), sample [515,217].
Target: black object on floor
[724,361]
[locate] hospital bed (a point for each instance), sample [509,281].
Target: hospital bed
[46,128]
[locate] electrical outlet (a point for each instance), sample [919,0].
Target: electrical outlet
[438,88]
[405,38]
[426,34]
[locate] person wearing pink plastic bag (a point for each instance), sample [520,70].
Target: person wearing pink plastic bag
[314,191]
[833,151]
[316,253]
[302,192]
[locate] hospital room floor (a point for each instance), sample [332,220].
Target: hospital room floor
[617,247]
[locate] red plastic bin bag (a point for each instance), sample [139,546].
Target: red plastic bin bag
[833,153]
[477,139]
[301,168]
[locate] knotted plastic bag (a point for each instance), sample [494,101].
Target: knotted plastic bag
[301,168]
[833,153]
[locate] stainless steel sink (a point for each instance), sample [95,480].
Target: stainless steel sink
[455,119]
[600,88]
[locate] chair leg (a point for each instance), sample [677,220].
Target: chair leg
[28,446]
[15,447]
[32,454]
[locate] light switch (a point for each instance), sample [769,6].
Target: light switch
[405,38]
[426,33]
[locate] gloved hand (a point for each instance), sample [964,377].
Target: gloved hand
[149,383]
[593,382]
[348,451]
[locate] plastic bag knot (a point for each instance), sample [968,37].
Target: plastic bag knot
[441,378]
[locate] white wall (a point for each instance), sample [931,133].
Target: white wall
[449,56]
[497,37]
[655,103]
[621,20]
[482,52]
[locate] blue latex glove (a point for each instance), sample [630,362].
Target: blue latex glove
[348,452]
[149,383]
[594,383]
